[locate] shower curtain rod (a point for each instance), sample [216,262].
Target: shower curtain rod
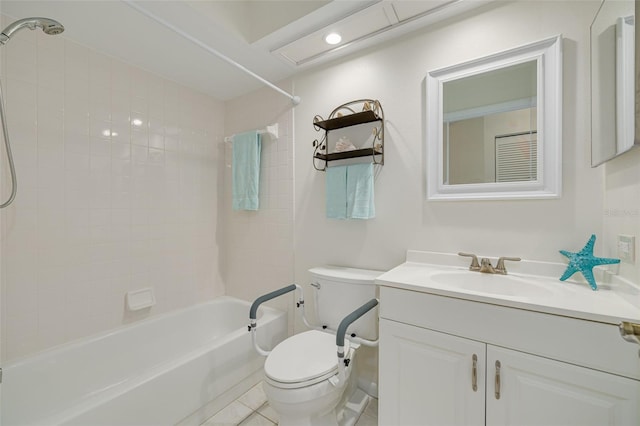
[294,99]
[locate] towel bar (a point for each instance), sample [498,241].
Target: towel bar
[271,130]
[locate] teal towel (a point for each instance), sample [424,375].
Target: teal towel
[349,192]
[336,192]
[245,170]
[360,202]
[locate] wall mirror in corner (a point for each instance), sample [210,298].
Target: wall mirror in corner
[494,126]
[613,94]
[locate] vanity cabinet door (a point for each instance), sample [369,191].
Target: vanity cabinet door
[540,391]
[427,377]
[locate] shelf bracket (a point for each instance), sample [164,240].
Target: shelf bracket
[352,113]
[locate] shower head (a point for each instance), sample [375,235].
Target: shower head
[49,26]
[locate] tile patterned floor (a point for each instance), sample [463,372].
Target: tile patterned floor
[252,409]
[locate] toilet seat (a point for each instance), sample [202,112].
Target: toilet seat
[303,359]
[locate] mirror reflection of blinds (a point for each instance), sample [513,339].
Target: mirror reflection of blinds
[516,156]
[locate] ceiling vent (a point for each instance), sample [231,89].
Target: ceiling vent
[380,21]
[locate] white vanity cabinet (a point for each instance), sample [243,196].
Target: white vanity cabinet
[529,368]
[426,377]
[539,391]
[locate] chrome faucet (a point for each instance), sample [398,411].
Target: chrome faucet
[485,265]
[475,266]
[500,269]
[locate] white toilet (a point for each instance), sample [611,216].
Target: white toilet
[301,372]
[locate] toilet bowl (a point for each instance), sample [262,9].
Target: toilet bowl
[300,380]
[310,378]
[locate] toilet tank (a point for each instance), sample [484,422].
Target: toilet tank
[339,291]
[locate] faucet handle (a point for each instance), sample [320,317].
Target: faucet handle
[475,266]
[500,269]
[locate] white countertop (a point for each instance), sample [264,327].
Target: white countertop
[615,300]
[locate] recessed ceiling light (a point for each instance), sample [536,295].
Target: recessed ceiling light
[136,122]
[333,38]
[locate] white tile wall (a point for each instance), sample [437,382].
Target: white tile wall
[259,244]
[118,175]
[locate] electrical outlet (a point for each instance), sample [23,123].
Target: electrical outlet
[627,248]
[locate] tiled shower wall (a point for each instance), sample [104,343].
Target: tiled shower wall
[258,256]
[117,190]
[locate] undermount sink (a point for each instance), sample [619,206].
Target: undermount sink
[492,284]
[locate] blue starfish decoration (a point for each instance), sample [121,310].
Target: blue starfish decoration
[584,261]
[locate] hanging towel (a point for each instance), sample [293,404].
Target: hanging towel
[360,202]
[349,192]
[245,171]
[336,192]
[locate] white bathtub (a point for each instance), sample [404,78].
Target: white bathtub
[155,372]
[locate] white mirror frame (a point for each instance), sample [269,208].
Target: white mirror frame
[548,54]
[621,110]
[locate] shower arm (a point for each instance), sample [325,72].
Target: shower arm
[294,99]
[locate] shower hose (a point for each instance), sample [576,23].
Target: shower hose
[7,145]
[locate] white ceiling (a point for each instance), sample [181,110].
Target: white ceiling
[262,35]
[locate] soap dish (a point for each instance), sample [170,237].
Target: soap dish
[140,299]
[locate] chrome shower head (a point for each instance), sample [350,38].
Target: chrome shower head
[52,27]
[49,26]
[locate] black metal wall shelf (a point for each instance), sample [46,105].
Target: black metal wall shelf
[348,120]
[364,152]
[346,116]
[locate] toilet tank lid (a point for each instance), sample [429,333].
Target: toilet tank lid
[345,274]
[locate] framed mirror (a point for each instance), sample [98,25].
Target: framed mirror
[494,126]
[613,94]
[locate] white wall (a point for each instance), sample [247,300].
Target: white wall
[394,74]
[622,207]
[97,216]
